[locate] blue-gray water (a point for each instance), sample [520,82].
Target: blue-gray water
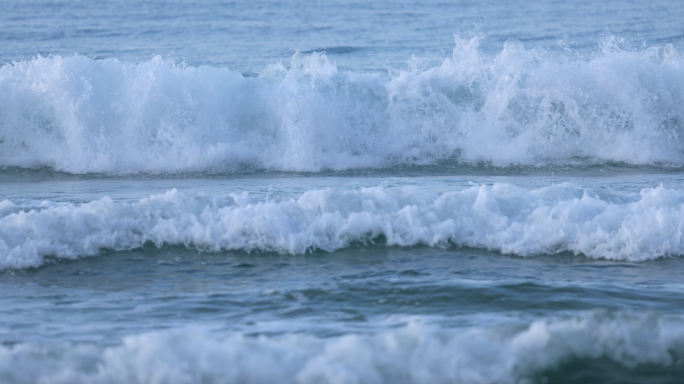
[341,192]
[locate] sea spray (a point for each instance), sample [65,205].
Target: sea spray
[518,107]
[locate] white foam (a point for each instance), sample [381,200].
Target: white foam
[520,107]
[416,353]
[502,217]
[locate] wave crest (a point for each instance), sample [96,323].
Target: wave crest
[415,353]
[519,107]
[502,217]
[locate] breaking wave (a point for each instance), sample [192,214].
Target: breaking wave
[415,353]
[519,107]
[502,217]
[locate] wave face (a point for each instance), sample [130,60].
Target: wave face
[519,107]
[502,217]
[416,353]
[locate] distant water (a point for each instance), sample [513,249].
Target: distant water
[341,192]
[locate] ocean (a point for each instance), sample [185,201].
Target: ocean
[345,192]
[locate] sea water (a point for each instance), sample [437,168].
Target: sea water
[341,192]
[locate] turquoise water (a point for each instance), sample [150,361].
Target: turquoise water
[339,192]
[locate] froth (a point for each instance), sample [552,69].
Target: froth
[416,353]
[519,107]
[502,217]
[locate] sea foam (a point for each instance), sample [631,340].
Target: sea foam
[518,107]
[502,217]
[415,353]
